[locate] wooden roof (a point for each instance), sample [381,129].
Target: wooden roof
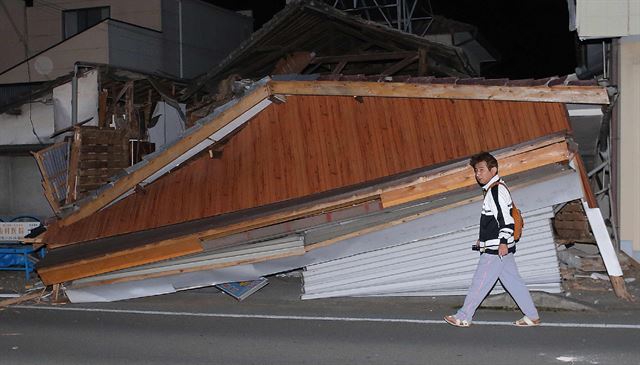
[317,143]
[326,32]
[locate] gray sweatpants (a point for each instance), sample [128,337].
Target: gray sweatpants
[491,268]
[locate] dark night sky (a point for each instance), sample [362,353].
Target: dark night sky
[532,37]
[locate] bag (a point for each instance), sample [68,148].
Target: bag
[518,222]
[516,214]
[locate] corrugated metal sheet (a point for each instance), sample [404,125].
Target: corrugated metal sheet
[437,265]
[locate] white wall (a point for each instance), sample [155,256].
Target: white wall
[87,101]
[21,192]
[17,129]
[169,125]
[51,113]
[629,155]
[607,18]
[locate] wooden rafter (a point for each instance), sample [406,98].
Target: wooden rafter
[464,177]
[400,65]
[364,57]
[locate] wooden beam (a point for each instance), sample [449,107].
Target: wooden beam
[339,67]
[589,197]
[26,297]
[364,57]
[464,177]
[556,94]
[423,67]
[400,65]
[214,233]
[102,109]
[120,260]
[391,224]
[128,182]
[216,266]
[74,162]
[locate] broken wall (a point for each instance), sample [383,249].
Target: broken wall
[87,101]
[29,120]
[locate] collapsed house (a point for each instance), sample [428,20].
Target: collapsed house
[350,162]
[365,184]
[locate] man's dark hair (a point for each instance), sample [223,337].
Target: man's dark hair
[486,157]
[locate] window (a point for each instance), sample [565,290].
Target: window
[75,21]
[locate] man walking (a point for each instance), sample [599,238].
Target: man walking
[497,247]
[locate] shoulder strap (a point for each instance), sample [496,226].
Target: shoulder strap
[513,204]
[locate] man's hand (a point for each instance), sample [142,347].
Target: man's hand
[503,250]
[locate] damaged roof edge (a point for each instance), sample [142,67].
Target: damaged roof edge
[329,12]
[216,122]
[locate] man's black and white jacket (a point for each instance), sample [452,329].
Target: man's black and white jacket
[496,223]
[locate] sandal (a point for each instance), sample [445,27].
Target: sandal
[527,322]
[452,320]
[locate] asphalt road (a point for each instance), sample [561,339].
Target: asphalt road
[210,328]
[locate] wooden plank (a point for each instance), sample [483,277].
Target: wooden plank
[574,234]
[21,299]
[100,172]
[217,266]
[581,226]
[589,196]
[391,224]
[522,149]
[556,94]
[463,177]
[423,66]
[74,158]
[400,65]
[293,64]
[103,164]
[106,156]
[571,216]
[214,233]
[97,148]
[365,57]
[130,181]
[102,108]
[120,260]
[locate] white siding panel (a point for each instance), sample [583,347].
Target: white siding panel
[607,18]
[427,267]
